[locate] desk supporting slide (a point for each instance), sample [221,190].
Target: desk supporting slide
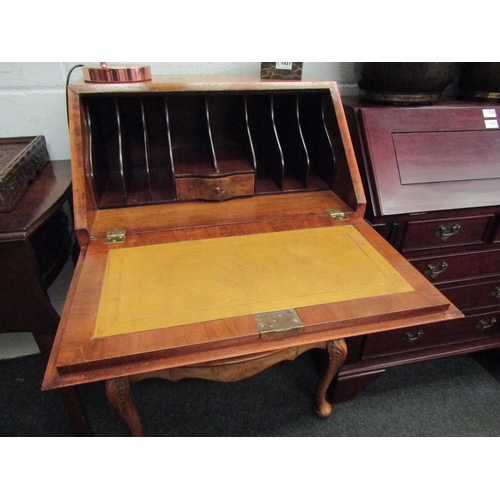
[229,370]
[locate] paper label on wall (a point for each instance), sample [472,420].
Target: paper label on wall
[284,65]
[491,123]
[489,113]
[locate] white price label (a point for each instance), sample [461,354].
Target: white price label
[489,113]
[284,65]
[491,123]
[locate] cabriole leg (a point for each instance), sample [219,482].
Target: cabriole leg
[118,394]
[337,352]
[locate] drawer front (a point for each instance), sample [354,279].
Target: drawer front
[433,335]
[215,189]
[441,269]
[446,233]
[474,295]
[496,234]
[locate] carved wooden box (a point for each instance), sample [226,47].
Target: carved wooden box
[21,158]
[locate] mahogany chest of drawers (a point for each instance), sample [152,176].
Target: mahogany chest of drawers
[432,178]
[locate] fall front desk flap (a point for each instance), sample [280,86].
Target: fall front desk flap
[195,300]
[173,284]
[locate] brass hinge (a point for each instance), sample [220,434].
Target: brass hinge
[115,236]
[278,322]
[337,214]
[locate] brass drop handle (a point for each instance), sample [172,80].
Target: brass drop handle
[496,292]
[412,336]
[432,270]
[483,324]
[446,230]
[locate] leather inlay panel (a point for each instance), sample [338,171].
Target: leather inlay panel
[188,282]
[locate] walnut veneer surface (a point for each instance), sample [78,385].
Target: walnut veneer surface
[287,212]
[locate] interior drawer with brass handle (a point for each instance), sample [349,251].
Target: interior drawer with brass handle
[444,233]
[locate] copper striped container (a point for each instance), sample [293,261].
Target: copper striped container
[116,74]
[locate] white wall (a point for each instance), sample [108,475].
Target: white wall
[33,102]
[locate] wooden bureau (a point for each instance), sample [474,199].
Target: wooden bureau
[432,177]
[221,226]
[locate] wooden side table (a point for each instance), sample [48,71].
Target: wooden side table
[36,239]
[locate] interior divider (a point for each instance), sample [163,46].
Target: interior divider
[155,169]
[141,146]
[231,142]
[191,142]
[269,156]
[170,157]
[104,151]
[250,145]
[295,153]
[316,135]
[124,175]
[146,151]
[210,138]
[96,174]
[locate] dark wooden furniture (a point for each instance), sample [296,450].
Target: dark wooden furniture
[35,242]
[21,159]
[432,175]
[221,228]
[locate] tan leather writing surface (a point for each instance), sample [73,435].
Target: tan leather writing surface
[172,284]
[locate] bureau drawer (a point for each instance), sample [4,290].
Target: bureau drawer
[445,268]
[426,336]
[446,232]
[496,234]
[474,295]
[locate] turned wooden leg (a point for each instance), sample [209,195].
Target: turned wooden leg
[118,394]
[337,352]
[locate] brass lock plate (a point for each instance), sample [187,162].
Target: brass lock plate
[278,322]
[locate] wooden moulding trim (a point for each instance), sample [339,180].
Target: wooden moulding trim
[181,216]
[90,371]
[82,212]
[92,353]
[199,83]
[357,183]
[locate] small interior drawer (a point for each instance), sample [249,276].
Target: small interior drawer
[427,336]
[446,232]
[451,267]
